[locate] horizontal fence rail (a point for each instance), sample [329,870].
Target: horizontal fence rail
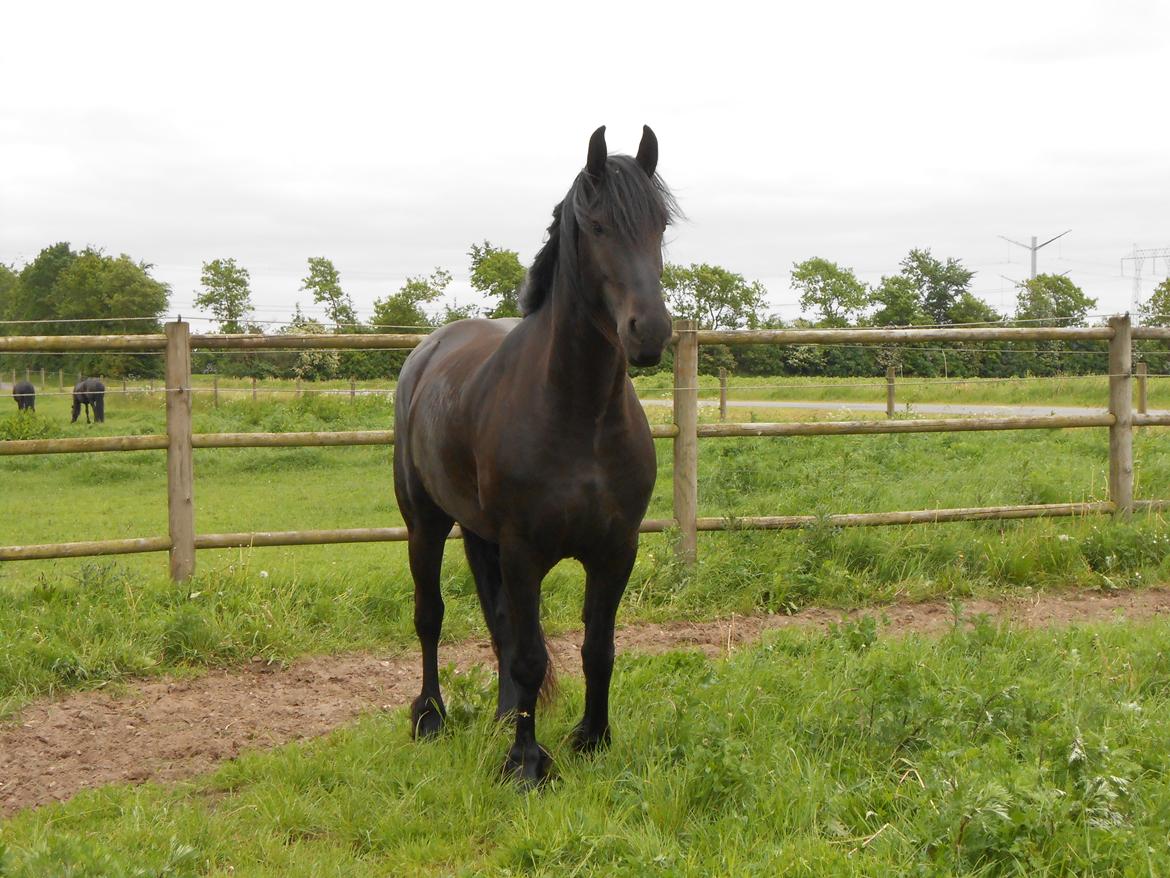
[159,441]
[921,425]
[177,343]
[895,336]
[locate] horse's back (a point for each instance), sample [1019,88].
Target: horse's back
[454,347]
[433,414]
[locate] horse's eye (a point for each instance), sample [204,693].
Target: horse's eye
[598,229]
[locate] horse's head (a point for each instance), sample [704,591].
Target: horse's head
[621,219]
[607,234]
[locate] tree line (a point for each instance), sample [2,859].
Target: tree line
[61,284]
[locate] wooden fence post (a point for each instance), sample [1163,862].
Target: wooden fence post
[722,393]
[352,390]
[61,380]
[125,389]
[1143,370]
[253,388]
[891,373]
[215,390]
[298,388]
[1121,407]
[686,443]
[180,457]
[42,377]
[27,374]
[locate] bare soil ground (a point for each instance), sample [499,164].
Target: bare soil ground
[166,729]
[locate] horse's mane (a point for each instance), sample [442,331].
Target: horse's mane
[625,200]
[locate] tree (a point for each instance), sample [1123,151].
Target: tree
[454,311]
[117,289]
[9,280]
[324,283]
[969,308]
[1052,298]
[96,293]
[311,365]
[833,292]
[898,302]
[226,294]
[403,309]
[497,273]
[940,285]
[34,297]
[1156,310]
[713,297]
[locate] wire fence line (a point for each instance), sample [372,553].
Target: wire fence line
[308,389]
[368,326]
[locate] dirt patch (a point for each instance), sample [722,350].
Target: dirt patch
[165,729]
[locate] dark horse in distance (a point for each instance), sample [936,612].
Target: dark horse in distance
[529,435]
[25,395]
[90,392]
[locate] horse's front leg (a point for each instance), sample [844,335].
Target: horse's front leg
[605,582]
[527,762]
[426,541]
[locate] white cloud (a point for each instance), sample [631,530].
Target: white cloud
[391,138]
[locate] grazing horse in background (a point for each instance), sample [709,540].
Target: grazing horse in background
[528,433]
[90,392]
[25,395]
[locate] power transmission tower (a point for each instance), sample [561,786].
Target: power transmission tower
[1034,246]
[1138,258]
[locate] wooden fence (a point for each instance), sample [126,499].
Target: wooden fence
[179,442]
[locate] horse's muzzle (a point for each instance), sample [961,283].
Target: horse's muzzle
[645,340]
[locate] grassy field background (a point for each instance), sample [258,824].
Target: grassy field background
[89,621]
[1073,390]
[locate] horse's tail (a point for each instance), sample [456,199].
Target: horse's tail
[550,686]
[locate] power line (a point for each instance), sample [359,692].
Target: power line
[1138,259]
[1034,246]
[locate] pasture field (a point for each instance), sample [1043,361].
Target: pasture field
[845,753]
[1072,390]
[88,622]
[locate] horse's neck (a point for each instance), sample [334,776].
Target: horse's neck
[586,365]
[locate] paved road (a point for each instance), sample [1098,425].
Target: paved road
[922,408]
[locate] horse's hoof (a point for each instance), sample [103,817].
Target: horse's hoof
[585,740]
[528,769]
[426,717]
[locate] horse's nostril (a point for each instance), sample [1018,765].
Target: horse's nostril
[633,326]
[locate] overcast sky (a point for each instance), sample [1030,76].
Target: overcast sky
[389,137]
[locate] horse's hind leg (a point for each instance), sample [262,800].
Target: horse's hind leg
[522,571]
[605,582]
[484,559]
[428,534]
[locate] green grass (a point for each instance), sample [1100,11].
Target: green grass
[85,622]
[837,754]
[1074,390]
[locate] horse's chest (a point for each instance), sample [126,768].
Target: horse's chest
[599,493]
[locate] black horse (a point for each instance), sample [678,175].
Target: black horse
[528,434]
[25,395]
[90,392]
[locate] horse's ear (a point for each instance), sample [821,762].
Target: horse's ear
[648,151]
[595,164]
